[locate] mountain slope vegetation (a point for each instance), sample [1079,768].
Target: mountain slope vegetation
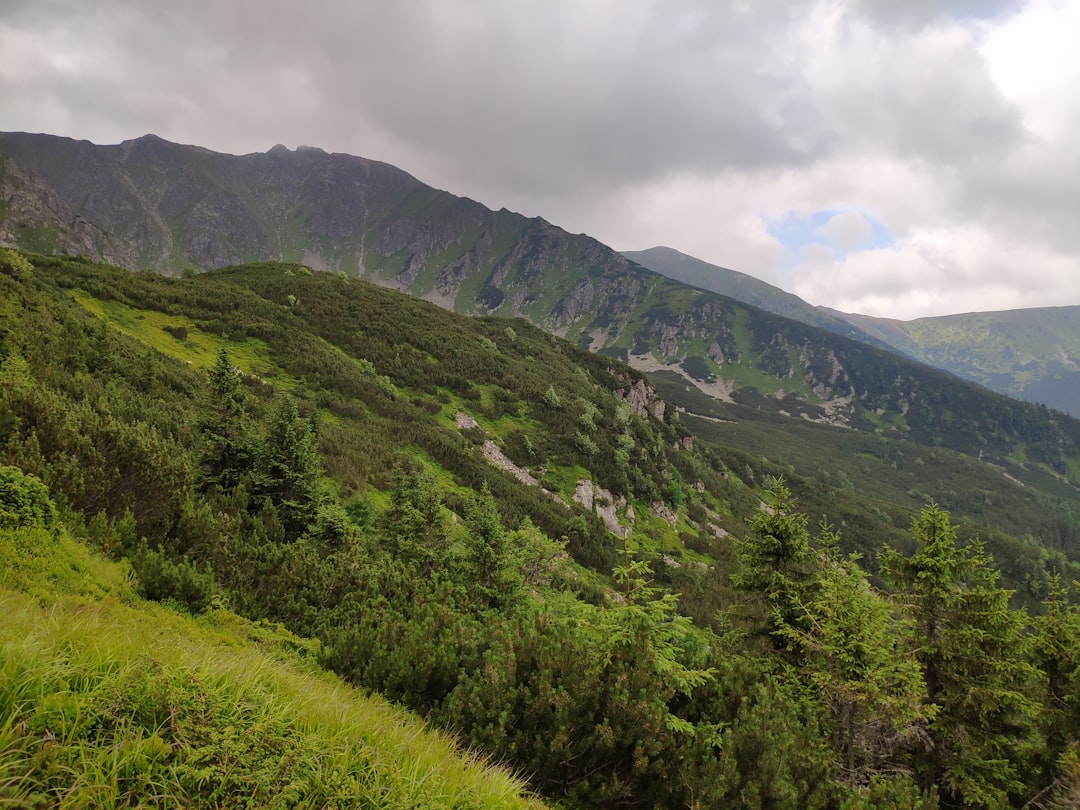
[1030,354]
[524,542]
[148,203]
[107,700]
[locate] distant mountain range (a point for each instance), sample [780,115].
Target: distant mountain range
[747,289]
[1029,354]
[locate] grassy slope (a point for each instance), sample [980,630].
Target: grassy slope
[867,483]
[1030,354]
[110,701]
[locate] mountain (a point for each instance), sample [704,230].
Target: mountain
[151,203]
[1030,354]
[749,290]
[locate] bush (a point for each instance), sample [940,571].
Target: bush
[24,501]
[15,265]
[164,580]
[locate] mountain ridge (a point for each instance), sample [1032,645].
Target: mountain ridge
[746,288]
[171,207]
[1029,354]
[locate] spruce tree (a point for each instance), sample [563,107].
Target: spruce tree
[415,527]
[775,567]
[287,468]
[973,652]
[227,452]
[871,688]
[489,564]
[1057,654]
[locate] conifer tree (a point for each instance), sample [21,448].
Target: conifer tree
[775,566]
[287,468]
[973,653]
[1057,654]
[871,688]
[489,563]
[415,526]
[227,452]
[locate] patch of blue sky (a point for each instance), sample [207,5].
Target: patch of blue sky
[798,231]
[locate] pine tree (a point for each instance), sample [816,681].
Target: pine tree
[415,526]
[227,453]
[1057,654]
[871,688]
[489,564]
[287,468]
[775,566]
[973,652]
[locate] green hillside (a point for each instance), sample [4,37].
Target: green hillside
[627,602]
[741,287]
[148,203]
[1030,354]
[107,700]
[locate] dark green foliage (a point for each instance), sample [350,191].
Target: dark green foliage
[415,528]
[488,563]
[440,580]
[165,580]
[1057,654]
[974,655]
[286,468]
[775,565]
[697,368]
[228,452]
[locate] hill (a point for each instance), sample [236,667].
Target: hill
[527,544]
[107,700]
[150,203]
[1029,354]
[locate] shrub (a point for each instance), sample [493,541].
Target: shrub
[164,580]
[24,501]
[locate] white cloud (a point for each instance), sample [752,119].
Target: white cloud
[848,230]
[942,271]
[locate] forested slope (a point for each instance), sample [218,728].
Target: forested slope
[647,620]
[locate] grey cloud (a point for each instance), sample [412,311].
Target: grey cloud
[568,108]
[533,95]
[917,13]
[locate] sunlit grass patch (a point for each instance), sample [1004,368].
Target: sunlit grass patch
[115,702]
[178,336]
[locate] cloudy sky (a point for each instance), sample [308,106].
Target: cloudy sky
[898,158]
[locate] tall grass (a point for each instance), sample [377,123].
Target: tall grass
[108,701]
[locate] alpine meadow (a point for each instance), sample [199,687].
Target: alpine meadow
[322,488]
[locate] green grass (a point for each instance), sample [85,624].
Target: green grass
[199,348]
[108,701]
